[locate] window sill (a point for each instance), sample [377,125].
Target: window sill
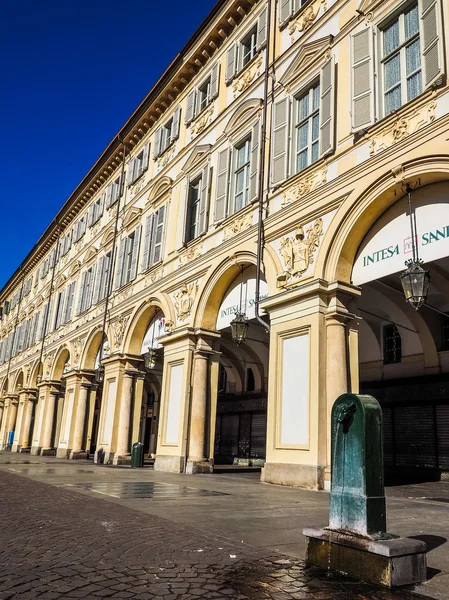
[131,183]
[248,65]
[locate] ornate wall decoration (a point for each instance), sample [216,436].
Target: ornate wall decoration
[118,328]
[304,186]
[124,295]
[78,345]
[297,252]
[200,124]
[306,18]
[237,226]
[154,276]
[163,160]
[137,187]
[184,300]
[247,77]
[48,362]
[402,127]
[191,254]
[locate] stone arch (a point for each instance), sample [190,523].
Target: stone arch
[162,187]
[36,371]
[357,214]
[19,381]
[91,347]
[57,369]
[4,386]
[222,275]
[139,321]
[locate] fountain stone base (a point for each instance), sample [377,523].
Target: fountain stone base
[391,562]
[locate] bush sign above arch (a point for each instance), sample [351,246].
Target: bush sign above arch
[388,244]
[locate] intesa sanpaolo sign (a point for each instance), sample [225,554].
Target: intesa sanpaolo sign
[388,244]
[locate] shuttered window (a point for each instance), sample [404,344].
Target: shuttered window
[127,259]
[167,134]
[243,51]
[104,276]
[288,8]
[307,128]
[138,164]
[242,164]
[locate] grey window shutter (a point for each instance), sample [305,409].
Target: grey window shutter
[215,81]
[131,174]
[69,302]
[157,142]
[146,246]
[254,167]
[90,215]
[119,264]
[190,108]
[327,108]
[204,200]
[280,140]
[109,196]
[135,252]
[81,294]
[146,156]
[262,28]
[158,235]
[100,208]
[285,11]
[76,232]
[221,200]
[92,285]
[362,53]
[60,310]
[431,40]
[176,124]
[82,226]
[98,277]
[51,317]
[231,62]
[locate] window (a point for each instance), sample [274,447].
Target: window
[60,309]
[113,192]
[70,297]
[128,254]
[307,128]
[392,344]
[288,8]
[241,174]
[79,229]
[95,211]
[138,164]
[222,380]
[154,238]
[204,94]
[167,134]
[85,294]
[194,209]
[244,50]
[250,381]
[105,265]
[409,55]
[200,98]
[401,60]
[248,47]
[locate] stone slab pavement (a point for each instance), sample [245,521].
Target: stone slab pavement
[78,530]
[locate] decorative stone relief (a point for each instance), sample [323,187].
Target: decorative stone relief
[402,127]
[191,254]
[122,296]
[241,83]
[163,160]
[304,186]
[118,328]
[306,18]
[237,226]
[168,327]
[184,300]
[78,345]
[137,187]
[154,276]
[200,124]
[297,252]
[48,362]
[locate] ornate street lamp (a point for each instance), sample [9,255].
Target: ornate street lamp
[239,328]
[239,325]
[150,358]
[415,279]
[99,374]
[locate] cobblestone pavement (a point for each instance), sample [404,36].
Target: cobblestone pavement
[57,544]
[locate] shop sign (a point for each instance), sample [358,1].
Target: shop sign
[231,302]
[389,244]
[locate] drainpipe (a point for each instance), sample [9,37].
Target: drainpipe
[113,251]
[263,144]
[15,326]
[53,273]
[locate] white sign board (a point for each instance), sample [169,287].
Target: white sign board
[244,287]
[389,244]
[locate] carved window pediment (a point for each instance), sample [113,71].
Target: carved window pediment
[243,116]
[132,215]
[107,238]
[308,56]
[160,191]
[75,268]
[90,255]
[196,158]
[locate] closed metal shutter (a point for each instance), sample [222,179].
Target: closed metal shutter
[229,443]
[387,414]
[442,412]
[415,436]
[258,435]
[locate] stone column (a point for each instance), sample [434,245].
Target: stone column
[3,417]
[46,440]
[123,450]
[78,451]
[5,420]
[198,411]
[12,416]
[26,440]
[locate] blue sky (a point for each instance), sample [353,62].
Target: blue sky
[72,71]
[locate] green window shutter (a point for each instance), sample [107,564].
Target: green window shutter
[221,199]
[281,111]
[431,33]
[254,165]
[362,55]
[327,108]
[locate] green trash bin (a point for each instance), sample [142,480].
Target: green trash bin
[137,455]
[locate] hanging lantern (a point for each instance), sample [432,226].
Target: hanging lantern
[150,358]
[415,283]
[239,328]
[99,374]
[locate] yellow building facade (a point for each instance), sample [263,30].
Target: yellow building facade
[265,174]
